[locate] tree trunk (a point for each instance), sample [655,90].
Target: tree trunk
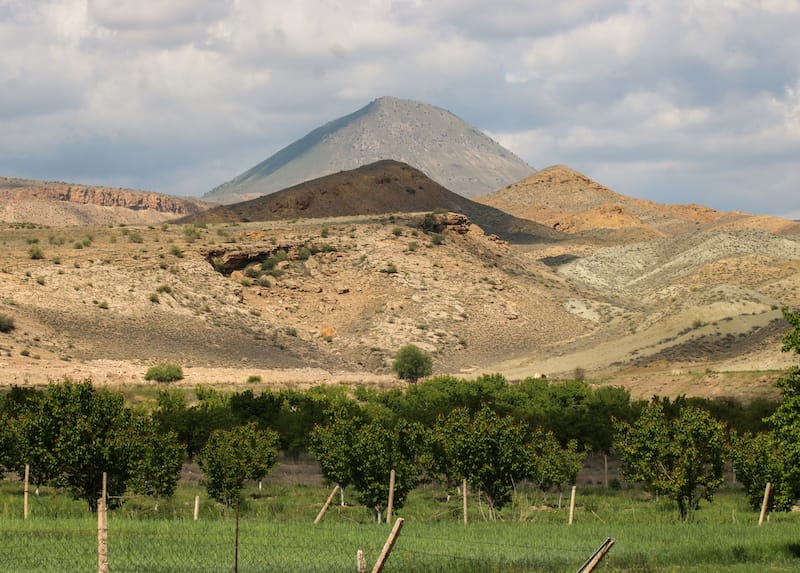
[682,508]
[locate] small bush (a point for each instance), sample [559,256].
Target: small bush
[273,260]
[253,379]
[154,298]
[165,289]
[164,372]
[6,323]
[437,238]
[176,251]
[36,252]
[135,237]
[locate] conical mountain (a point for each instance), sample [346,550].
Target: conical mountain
[444,147]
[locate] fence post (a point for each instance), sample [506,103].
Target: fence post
[765,503]
[102,536]
[464,495]
[572,505]
[361,562]
[25,491]
[102,528]
[325,507]
[387,547]
[390,505]
[196,507]
[597,556]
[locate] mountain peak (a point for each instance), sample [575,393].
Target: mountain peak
[447,149]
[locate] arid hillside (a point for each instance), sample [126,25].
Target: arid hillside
[568,201]
[61,204]
[331,300]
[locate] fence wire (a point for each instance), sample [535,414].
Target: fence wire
[187,546]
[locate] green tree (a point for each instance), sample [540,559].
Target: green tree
[377,450]
[157,459]
[412,363]
[758,460]
[550,464]
[334,447]
[230,457]
[74,433]
[681,457]
[785,422]
[485,449]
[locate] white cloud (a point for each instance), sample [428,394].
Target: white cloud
[671,100]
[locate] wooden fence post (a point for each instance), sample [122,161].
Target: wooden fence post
[464,495]
[325,507]
[572,505]
[25,491]
[102,536]
[597,556]
[765,503]
[196,507]
[387,547]
[102,528]
[361,562]
[390,505]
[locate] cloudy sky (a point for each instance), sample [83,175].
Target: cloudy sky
[677,101]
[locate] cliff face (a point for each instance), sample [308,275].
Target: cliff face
[107,197]
[68,203]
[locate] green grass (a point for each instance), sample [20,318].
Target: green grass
[277,534]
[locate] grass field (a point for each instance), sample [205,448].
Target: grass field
[277,534]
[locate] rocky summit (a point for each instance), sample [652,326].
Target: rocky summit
[444,147]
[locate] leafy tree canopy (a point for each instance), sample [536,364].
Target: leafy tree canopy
[230,457]
[681,457]
[412,363]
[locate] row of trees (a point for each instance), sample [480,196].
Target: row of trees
[487,431]
[489,451]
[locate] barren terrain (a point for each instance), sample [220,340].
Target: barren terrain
[697,314]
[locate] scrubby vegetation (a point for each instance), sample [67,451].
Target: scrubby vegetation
[164,372]
[6,323]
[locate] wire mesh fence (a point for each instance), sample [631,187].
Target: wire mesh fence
[184,545]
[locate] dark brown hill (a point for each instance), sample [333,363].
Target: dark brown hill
[382,187]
